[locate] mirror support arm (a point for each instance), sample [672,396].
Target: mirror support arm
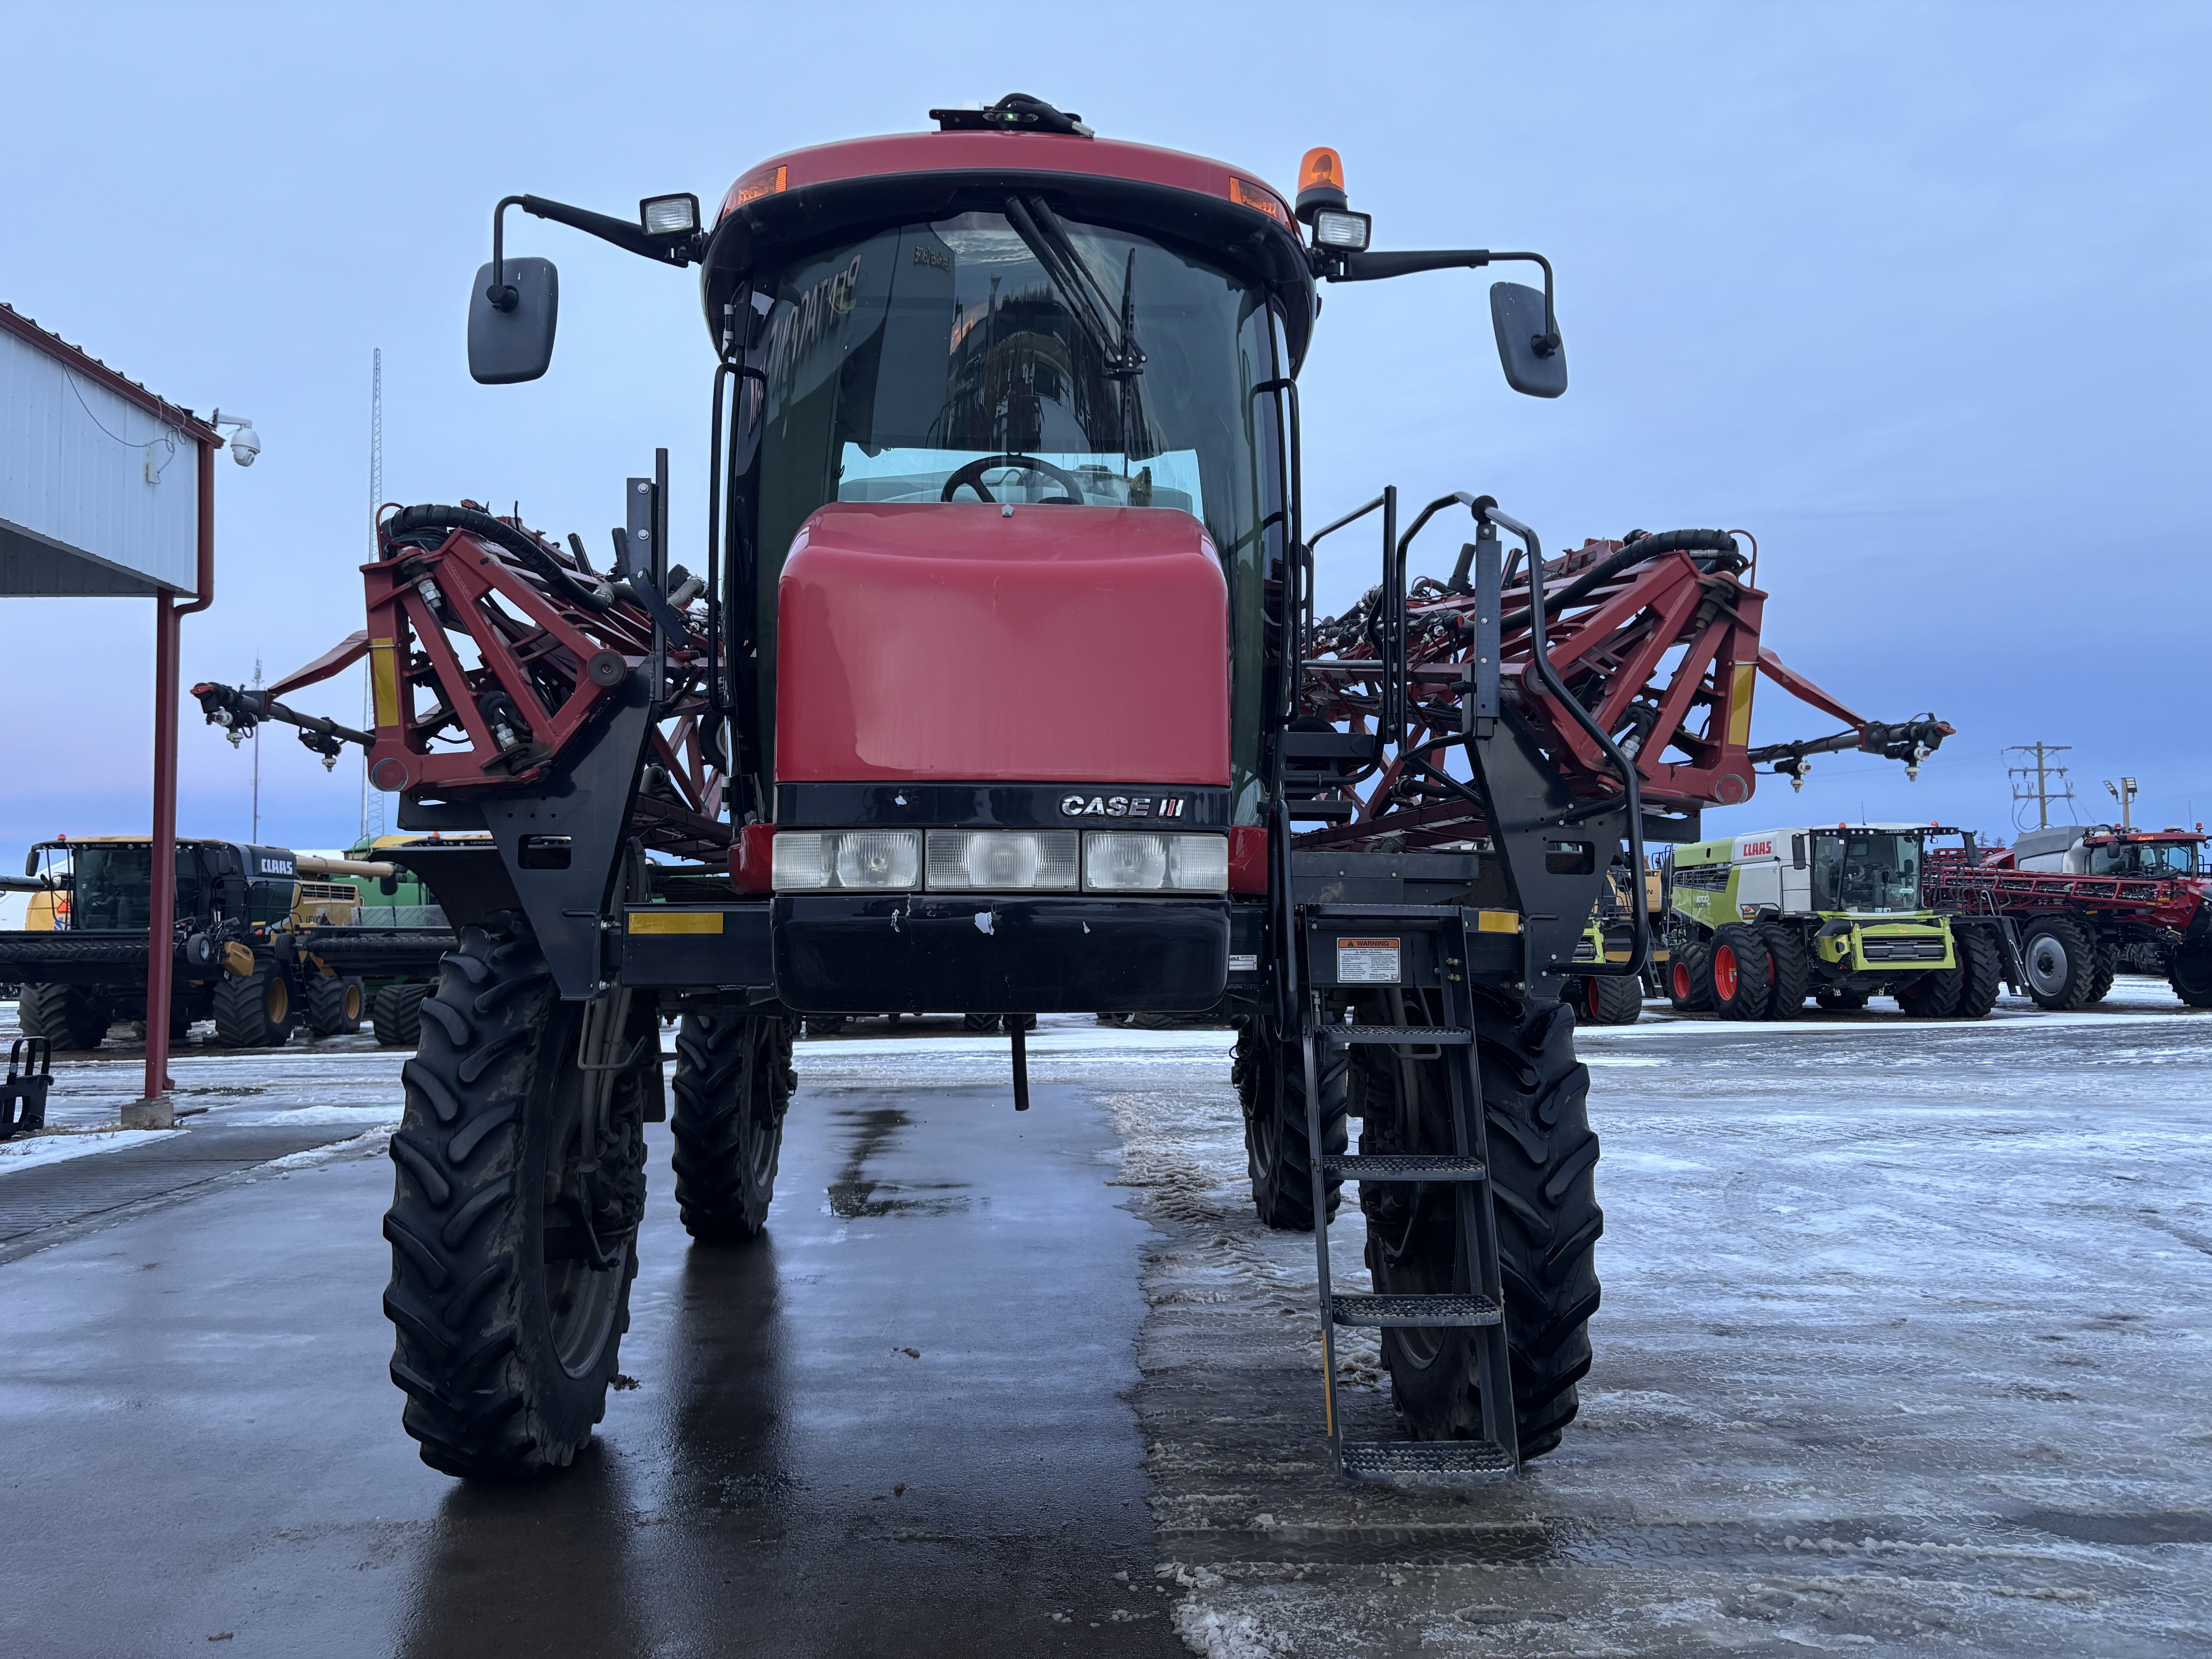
[677,250]
[1377,267]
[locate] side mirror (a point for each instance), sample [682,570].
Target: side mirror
[1516,312]
[31,862]
[515,343]
[388,885]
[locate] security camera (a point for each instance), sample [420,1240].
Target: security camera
[245,443]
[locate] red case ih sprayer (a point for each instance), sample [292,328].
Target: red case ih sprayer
[2080,898]
[1001,692]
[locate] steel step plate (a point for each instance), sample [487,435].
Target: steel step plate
[1424,1035]
[1424,1462]
[1457,1311]
[1405,1167]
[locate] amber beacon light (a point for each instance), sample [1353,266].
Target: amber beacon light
[1320,183]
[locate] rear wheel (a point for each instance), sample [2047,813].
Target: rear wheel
[1541,1153]
[2191,976]
[257,1011]
[1687,990]
[979,1021]
[823,1024]
[1932,995]
[334,1007]
[1981,972]
[1739,976]
[2060,960]
[734,1082]
[1609,1000]
[396,1015]
[1792,966]
[73,1016]
[1278,1141]
[520,1183]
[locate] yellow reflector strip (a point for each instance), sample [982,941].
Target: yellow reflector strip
[1747,676]
[676,922]
[1498,922]
[384,680]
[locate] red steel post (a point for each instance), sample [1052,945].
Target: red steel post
[160,943]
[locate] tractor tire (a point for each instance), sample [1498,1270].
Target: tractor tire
[1739,975]
[823,1025]
[1608,999]
[257,1011]
[396,1015]
[73,1016]
[2108,970]
[2190,977]
[2060,961]
[734,1082]
[1792,966]
[1020,1022]
[1931,996]
[979,1022]
[1687,991]
[1981,972]
[513,1242]
[1841,999]
[1541,1152]
[334,1007]
[1278,1141]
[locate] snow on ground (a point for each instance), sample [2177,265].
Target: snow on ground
[54,1145]
[1903,1350]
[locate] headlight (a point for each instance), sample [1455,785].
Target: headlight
[1001,860]
[1132,861]
[881,859]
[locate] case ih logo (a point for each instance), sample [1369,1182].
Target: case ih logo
[1121,806]
[1752,849]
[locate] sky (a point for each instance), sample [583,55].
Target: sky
[1917,294]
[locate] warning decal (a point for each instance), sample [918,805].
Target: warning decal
[1367,962]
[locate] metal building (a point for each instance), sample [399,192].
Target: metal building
[108,490]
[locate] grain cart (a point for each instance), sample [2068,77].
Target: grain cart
[265,941]
[999,689]
[1758,921]
[2080,898]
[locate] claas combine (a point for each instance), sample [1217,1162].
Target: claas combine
[998,686]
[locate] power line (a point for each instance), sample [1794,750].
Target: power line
[2042,794]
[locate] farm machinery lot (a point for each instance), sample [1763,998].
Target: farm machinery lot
[1902,1345]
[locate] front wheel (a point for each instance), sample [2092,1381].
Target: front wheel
[1535,1103]
[1609,1000]
[2060,960]
[733,1081]
[2191,976]
[1279,1148]
[72,1016]
[334,1007]
[520,1184]
[257,1011]
[1687,991]
[1739,974]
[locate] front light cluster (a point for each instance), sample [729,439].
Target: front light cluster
[999,861]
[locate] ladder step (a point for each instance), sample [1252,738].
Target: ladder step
[1459,1311]
[1398,1166]
[1445,1035]
[1424,1462]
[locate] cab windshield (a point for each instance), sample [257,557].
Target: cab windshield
[946,361]
[1865,870]
[111,885]
[2157,860]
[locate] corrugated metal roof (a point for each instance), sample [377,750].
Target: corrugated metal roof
[78,357]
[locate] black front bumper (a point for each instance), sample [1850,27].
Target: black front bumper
[912,953]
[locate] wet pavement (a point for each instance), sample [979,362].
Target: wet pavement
[897,1424]
[1904,1350]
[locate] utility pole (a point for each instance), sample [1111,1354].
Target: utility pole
[256,836]
[375,501]
[2042,794]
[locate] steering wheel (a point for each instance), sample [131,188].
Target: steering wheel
[972,476]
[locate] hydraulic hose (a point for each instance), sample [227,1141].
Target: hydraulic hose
[589,591]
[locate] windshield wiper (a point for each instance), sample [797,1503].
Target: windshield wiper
[1042,232]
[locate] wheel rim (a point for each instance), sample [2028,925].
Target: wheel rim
[2046,964]
[1724,973]
[352,1003]
[593,1152]
[760,1145]
[280,1002]
[1679,978]
[1589,997]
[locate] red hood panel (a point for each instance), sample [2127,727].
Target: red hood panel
[951,642]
